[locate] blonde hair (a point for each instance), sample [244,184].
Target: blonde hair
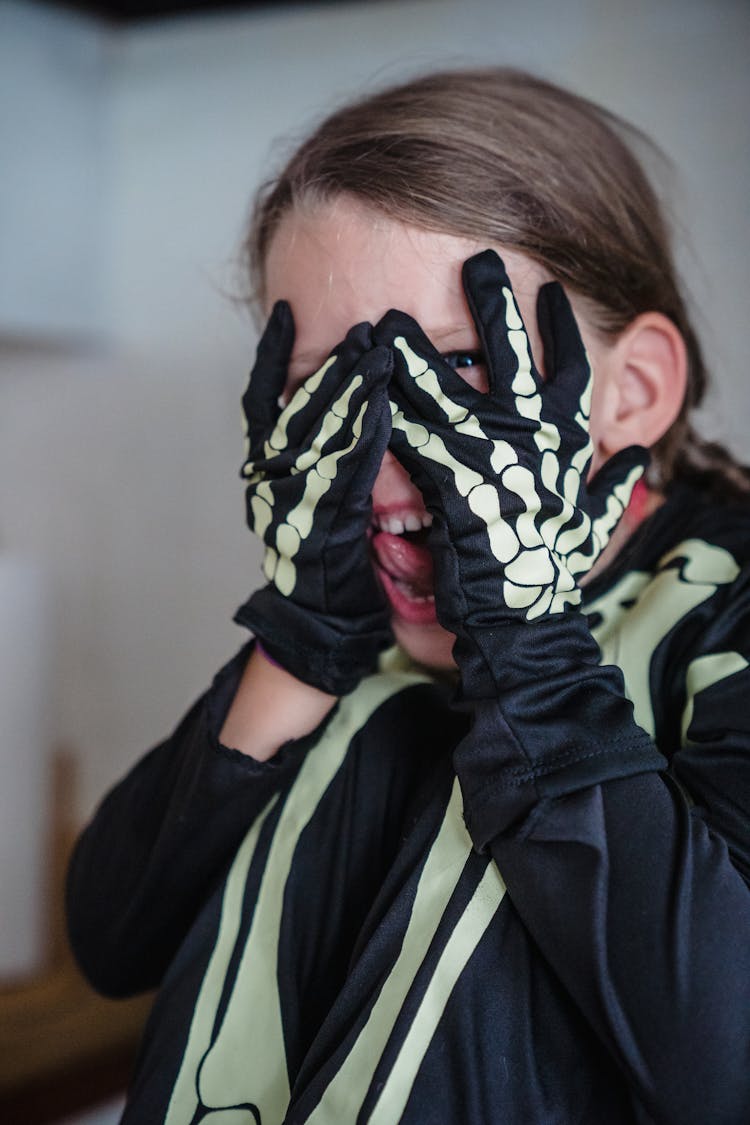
[498,154]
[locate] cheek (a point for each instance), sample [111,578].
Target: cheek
[476,377]
[393,486]
[430,645]
[597,411]
[601,410]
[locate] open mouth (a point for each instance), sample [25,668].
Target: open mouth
[404,564]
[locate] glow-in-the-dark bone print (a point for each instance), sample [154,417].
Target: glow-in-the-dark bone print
[311,460]
[518,457]
[320,468]
[309,467]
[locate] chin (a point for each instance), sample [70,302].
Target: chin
[430,645]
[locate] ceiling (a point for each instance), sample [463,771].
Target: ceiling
[138,11]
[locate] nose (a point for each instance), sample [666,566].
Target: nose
[393,486]
[390,465]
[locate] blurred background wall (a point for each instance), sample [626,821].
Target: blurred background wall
[129,158]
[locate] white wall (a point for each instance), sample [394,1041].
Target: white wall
[54,99]
[119,466]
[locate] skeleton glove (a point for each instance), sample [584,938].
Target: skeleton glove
[504,474]
[515,525]
[310,468]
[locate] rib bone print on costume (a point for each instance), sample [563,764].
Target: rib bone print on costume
[234,1067]
[517,457]
[631,619]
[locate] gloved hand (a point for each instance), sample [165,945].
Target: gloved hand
[504,474]
[515,524]
[310,468]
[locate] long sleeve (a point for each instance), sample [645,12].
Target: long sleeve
[161,839]
[630,879]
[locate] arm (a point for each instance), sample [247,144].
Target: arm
[163,837]
[636,899]
[632,898]
[271,707]
[160,839]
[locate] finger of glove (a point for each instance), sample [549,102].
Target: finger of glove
[358,340]
[568,383]
[406,452]
[305,500]
[359,467]
[512,374]
[409,435]
[375,369]
[566,398]
[431,462]
[340,424]
[611,488]
[298,421]
[433,389]
[278,483]
[260,401]
[465,506]
[368,425]
[330,491]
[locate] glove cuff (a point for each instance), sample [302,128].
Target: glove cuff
[322,651]
[548,719]
[502,655]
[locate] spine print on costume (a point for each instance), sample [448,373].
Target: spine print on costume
[239,1067]
[236,1071]
[445,865]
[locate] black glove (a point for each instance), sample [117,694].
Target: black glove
[310,469]
[515,521]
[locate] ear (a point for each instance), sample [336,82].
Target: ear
[644,385]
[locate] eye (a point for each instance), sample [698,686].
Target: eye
[471,366]
[460,360]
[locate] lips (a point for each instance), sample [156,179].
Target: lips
[405,570]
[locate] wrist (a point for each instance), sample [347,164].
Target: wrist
[548,719]
[506,654]
[326,652]
[271,707]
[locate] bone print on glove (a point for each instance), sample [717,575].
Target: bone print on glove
[516,522]
[310,467]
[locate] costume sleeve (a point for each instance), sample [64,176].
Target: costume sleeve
[161,839]
[634,885]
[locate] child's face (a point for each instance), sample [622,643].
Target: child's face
[340,264]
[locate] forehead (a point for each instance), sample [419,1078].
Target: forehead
[339,263]
[361,261]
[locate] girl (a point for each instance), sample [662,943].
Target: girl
[497,873]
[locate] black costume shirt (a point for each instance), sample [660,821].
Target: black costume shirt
[332,943]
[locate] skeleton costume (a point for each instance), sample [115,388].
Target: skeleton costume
[523,900]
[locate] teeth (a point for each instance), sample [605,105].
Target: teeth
[396,525]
